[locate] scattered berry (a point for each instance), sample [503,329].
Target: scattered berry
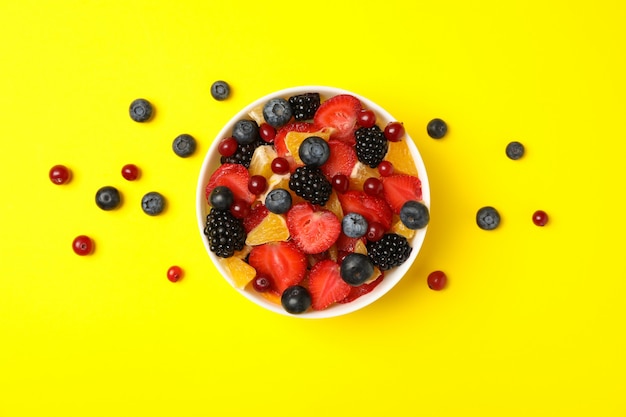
[540,218]
[174,273]
[366,118]
[314,151]
[153,203]
[339,113]
[108,198]
[371,145]
[82,245]
[140,110]
[514,150]
[437,280]
[487,218]
[385,168]
[340,183]
[184,145]
[282,262]
[220,90]
[296,299]
[305,105]
[326,285]
[373,186]
[414,215]
[310,183]
[60,174]
[389,251]
[224,232]
[278,201]
[280,165]
[354,225]
[261,283]
[356,268]
[245,131]
[130,172]
[267,132]
[437,128]
[221,198]
[277,112]
[313,231]
[394,131]
[257,184]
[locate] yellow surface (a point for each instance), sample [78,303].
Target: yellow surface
[532,322]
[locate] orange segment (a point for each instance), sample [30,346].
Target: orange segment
[399,228]
[270,296]
[261,162]
[256,114]
[359,247]
[400,156]
[273,228]
[334,205]
[360,173]
[239,270]
[294,139]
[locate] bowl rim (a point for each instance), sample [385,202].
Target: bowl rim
[210,163]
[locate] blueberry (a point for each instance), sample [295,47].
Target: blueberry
[515,150]
[277,112]
[487,218]
[314,151]
[354,225]
[140,110]
[152,203]
[278,201]
[414,215]
[220,90]
[245,132]
[184,145]
[296,299]
[221,198]
[356,268]
[108,198]
[437,128]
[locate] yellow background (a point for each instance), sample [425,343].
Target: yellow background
[532,322]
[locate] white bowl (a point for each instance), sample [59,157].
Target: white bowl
[212,161]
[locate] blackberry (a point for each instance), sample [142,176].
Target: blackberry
[243,154]
[389,251]
[225,233]
[304,105]
[310,183]
[371,145]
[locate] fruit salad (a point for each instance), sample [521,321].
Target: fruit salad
[315,199]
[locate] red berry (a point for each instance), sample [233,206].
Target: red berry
[437,280]
[366,118]
[257,184]
[227,147]
[373,186]
[280,165]
[385,168]
[59,174]
[375,231]
[240,209]
[130,172]
[341,183]
[174,273]
[394,131]
[261,283]
[82,245]
[267,132]
[540,218]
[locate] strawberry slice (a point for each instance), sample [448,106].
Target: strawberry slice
[339,113]
[283,262]
[400,188]
[233,176]
[279,140]
[341,161]
[325,285]
[256,216]
[374,209]
[314,231]
[356,292]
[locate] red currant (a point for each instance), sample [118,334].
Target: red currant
[261,283]
[375,231]
[280,165]
[437,280]
[60,174]
[394,131]
[130,172]
[267,132]
[174,273]
[228,147]
[540,218]
[341,183]
[372,186]
[257,184]
[82,245]
[385,168]
[366,118]
[240,209]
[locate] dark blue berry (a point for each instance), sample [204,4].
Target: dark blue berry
[108,198]
[184,145]
[277,112]
[437,128]
[220,90]
[515,150]
[314,151]
[153,203]
[296,299]
[140,110]
[354,225]
[221,198]
[246,132]
[487,218]
[278,201]
[414,215]
[356,268]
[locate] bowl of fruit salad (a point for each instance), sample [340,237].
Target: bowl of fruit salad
[313,202]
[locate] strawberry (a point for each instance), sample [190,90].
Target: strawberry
[400,188]
[374,209]
[314,231]
[341,161]
[283,262]
[235,177]
[257,214]
[347,244]
[356,292]
[279,140]
[325,285]
[339,113]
